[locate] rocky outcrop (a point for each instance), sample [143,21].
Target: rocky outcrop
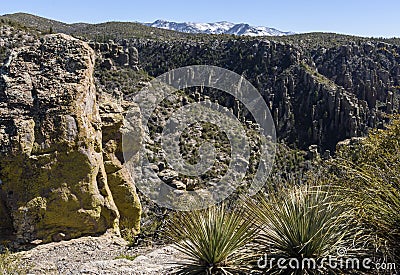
[118,178]
[59,162]
[111,54]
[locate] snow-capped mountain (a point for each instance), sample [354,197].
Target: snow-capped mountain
[218,28]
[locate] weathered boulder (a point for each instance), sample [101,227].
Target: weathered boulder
[54,181]
[133,56]
[168,175]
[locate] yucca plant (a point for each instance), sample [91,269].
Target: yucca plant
[213,240]
[302,223]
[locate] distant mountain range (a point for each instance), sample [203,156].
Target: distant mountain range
[218,28]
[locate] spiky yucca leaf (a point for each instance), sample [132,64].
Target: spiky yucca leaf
[214,240]
[303,223]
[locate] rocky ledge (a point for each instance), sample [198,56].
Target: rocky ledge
[106,254]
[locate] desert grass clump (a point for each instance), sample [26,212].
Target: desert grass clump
[376,204]
[213,240]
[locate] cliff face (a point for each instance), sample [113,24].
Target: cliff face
[59,168]
[318,94]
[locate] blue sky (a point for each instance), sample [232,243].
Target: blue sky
[358,17]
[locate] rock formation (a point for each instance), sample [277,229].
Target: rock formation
[61,172]
[111,53]
[118,178]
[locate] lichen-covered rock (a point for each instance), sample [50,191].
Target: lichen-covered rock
[54,181]
[119,180]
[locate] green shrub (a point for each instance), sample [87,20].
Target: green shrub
[369,181]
